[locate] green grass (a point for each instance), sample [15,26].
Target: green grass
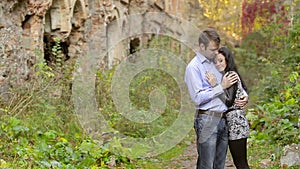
[259,151]
[170,158]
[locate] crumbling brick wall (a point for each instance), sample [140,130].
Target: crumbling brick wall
[17,62]
[27,29]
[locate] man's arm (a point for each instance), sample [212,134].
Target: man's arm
[200,91]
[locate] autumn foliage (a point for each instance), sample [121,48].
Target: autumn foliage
[257,13]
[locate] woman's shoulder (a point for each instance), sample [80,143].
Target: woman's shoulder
[231,71]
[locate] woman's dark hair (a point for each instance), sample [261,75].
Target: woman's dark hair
[231,66]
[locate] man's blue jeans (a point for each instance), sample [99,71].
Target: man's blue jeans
[212,141]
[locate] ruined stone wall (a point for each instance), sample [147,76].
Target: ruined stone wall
[16,64]
[27,30]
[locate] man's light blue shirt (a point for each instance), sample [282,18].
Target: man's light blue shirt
[204,96]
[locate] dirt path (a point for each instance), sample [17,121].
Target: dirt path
[189,157]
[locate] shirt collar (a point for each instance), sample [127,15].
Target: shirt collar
[202,58]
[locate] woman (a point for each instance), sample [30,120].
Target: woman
[236,116]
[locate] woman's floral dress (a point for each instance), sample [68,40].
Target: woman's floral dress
[236,119]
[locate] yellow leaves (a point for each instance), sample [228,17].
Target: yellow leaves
[223,14]
[63,140]
[293,77]
[4,164]
[3,126]
[258,22]
[211,9]
[218,9]
[288,93]
[233,34]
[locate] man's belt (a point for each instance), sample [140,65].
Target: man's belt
[212,113]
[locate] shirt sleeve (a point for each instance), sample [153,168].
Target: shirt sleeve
[200,90]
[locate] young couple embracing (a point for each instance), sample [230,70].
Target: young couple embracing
[220,96]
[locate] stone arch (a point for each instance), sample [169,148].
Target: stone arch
[57,19]
[116,52]
[56,25]
[78,13]
[55,15]
[47,26]
[113,15]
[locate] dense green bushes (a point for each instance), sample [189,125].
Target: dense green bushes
[271,58]
[38,128]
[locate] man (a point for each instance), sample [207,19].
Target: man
[209,123]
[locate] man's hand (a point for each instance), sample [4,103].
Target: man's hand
[229,79]
[242,102]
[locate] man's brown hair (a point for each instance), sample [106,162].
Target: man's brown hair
[208,35]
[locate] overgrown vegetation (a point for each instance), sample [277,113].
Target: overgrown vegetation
[38,128]
[271,54]
[275,60]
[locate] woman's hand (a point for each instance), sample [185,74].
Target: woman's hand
[242,103]
[211,78]
[229,79]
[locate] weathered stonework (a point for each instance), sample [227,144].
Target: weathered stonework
[16,64]
[291,156]
[27,29]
